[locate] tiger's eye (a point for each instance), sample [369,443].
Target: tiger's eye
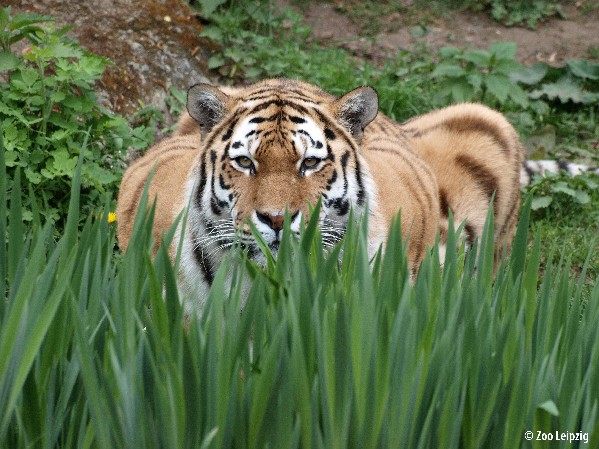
[311,162]
[244,162]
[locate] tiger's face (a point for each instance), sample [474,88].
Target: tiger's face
[272,150]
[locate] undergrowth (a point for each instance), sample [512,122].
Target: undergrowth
[49,115]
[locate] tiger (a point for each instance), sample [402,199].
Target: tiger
[532,168]
[270,150]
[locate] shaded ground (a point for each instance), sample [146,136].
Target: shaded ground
[154,44]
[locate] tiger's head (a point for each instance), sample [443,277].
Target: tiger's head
[269,151]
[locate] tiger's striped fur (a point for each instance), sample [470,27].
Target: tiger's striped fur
[532,168]
[476,154]
[280,145]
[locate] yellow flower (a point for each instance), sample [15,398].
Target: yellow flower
[111,217]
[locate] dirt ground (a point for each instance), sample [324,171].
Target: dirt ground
[554,41]
[154,44]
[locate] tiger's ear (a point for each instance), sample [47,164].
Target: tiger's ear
[356,109]
[207,105]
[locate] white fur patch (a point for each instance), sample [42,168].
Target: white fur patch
[245,142]
[310,140]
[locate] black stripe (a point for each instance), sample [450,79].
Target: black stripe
[225,154]
[202,184]
[332,180]
[341,205]
[361,192]
[330,155]
[443,204]
[215,205]
[470,233]
[296,119]
[344,160]
[227,135]
[563,166]
[329,134]
[529,171]
[204,262]
[225,124]
[223,184]
[481,174]
[301,131]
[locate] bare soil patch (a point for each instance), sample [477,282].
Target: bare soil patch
[554,41]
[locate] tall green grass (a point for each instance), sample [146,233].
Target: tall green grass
[325,354]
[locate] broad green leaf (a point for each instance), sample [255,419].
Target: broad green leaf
[519,96]
[448,69]
[212,32]
[4,16]
[584,69]
[8,61]
[215,62]
[506,66]
[541,202]
[476,80]
[582,197]
[63,163]
[530,75]
[499,86]
[503,50]
[23,20]
[462,91]
[562,187]
[209,6]
[480,58]
[565,90]
[449,52]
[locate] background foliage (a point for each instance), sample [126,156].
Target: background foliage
[49,114]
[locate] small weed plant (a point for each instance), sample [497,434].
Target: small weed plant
[49,115]
[479,75]
[517,12]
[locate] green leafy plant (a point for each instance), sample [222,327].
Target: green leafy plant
[565,192]
[255,42]
[480,75]
[525,12]
[577,82]
[49,115]
[508,12]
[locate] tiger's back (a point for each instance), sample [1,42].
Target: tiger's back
[476,155]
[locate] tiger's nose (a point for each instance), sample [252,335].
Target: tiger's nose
[274,221]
